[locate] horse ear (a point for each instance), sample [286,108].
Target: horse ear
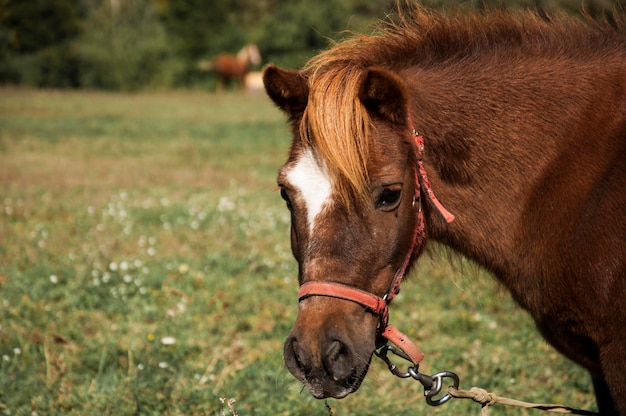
[288,89]
[384,93]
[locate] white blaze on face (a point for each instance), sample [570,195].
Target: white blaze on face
[312,181]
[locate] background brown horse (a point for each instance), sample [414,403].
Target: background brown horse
[524,124]
[229,67]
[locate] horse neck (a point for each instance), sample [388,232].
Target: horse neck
[493,146]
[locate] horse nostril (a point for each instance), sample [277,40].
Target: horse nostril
[337,362]
[328,367]
[295,358]
[297,351]
[334,350]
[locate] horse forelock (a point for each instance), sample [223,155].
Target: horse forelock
[336,126]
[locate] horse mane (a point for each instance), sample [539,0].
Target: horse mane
[337,125]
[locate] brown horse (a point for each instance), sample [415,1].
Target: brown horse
[522,127]
[230,67]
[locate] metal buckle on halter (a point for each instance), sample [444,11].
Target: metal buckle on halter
[420,144]
[417,198]
[382,354]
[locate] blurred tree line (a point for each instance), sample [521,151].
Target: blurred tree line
[138,44]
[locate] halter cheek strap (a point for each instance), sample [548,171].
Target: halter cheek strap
[377,305]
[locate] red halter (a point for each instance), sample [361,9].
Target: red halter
[380,305]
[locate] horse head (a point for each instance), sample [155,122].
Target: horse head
[249,55]
[349,183]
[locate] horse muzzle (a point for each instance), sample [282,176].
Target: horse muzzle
[330,352]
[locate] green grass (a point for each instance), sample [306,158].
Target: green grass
[145,269]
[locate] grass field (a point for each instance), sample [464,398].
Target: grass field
[145,269]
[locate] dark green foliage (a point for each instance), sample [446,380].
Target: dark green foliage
[35,41]
[303,30]
[38,24]
[139,44]
[125,48]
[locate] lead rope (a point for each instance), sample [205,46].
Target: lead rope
[487,399]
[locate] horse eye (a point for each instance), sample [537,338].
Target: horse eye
[389,198]
[285,197]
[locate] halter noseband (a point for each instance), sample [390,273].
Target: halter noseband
[380,305]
